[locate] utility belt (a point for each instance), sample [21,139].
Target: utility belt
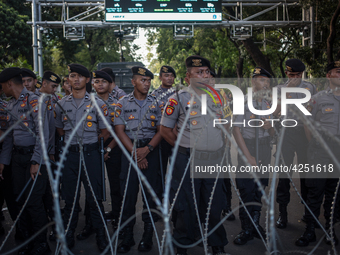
[141,142]
[262,141]
[86,147]
[203,155]
[24,150]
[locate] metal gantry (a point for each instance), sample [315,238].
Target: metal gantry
[237,23]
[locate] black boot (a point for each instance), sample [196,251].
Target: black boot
[40,248]
[146,242]
[127,242]
[101,239]
[308,236]
[246,233]
[228,211]
[283,216]
[87,230]
[329,240]
[256,217]
[70,238]
[28,247]
[218,250]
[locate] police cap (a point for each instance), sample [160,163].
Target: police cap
[167,69]
[103,75]
[197,61]
[9,73]
[50,76]
[261,71]
[295,65]
[28,73]
[77,68]
[109,71]
[335,64]
[139,70]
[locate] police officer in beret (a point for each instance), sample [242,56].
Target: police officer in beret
[137,122]
[167,77]
[208,148]
[321,185]
[68,113]
[115,90]
[23,147]
[294,141]
[29,79]
[245,137]
[50,82]
[66,86]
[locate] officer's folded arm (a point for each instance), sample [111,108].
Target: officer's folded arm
[168,134]
[104,133]
[120,131]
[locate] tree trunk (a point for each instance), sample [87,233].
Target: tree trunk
[332,34]
[260,59]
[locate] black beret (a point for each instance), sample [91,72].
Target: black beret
[295,65]
[65,78]
[9,73]
[197,61]
[168,69]
[28,73]
[261,71]
[109,71]
[50,76]
[103,75]
[139,70]
[335,64]
[77,68]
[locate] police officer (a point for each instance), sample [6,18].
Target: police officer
[115,90]
[325,109]
[137,121]
[29,79]
[24,148]
[66,86]
[68,113]
[115,154]
[210,147]
[245,137]
[294,141]
[167,77]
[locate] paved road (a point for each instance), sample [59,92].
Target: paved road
[285,238]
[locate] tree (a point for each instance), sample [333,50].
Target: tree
[13,35]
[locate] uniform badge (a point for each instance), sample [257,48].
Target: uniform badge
[131,117]
[53,78]
[257,71]
[7,118]
[94,74]
[337,64]
[105,111]
[23,105]
[153,117]
[119,105]
[196,62]
[309,108]
[88,106]
[112,119]
[112,114]
[173,102]
[193,113]
[89,124]
[289,69]
[328,110]
[69,68]
[307,88]
[36,109]
[161,106]
[194,122]
[153,123]
[113,104]
[121,97]
[165,69]
[141,71]
[26,124]
[169,110]
[118,112]
[252,116]
[65,118]
[89,117]
[153,106]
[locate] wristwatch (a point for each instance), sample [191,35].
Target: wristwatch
[108,149]
[33,162]
[150,147]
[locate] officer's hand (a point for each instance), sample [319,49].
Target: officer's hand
[2,166]
[267,124]
[252,161]
[106,156]
[52,157]
[143,164]
[34,170]
[142,153]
